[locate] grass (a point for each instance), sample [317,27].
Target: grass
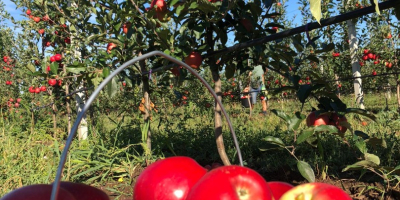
[115,151]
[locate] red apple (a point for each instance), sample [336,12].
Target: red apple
[37,90]
[36,19]
[46,18]
[313,120]
[335,120]
[18,100]
[28,12]
[279,188]
[67,40]
[361,63]
[52,59]
[275,29]
[366,51]
[11,100]
[231,182]
[125,27]
[37,192]
[168,179]
[370,55]
[311,191]
[52,82]
[247,24]
[110,46]
[161,6]
[58,57]
[365,57]
[374,73]
[175,71]
[41,31]
[59,83]
[31,89]
[16,105]
[194,60]
[43,88]
[82,191]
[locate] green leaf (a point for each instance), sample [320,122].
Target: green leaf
[312,58]
[362,146]
[315,7]
[54,67]
[326,128]
[377,7]
[229,71]
[373,158]
[281,114]
[193,5]
[361,134]
[295,121]
[112,87]
[106,72]
[397,13]
[273,143]
[306,171]
[361,112]
[76,70]
[374,142]
[304,135]
[304,92]
[30,67]
[62,20]
[361,165]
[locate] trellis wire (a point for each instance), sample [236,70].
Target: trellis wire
[74,128]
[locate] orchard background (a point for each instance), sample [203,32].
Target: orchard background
[54,58]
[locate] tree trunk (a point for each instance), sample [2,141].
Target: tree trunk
[83,126]
[146,88]
[337,85]
[218,120]
[358,92]
[54,121]
[398,95]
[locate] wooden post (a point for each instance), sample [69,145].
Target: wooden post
[358,91]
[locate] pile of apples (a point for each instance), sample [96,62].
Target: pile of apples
[182,178]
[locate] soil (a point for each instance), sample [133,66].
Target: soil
[365,190]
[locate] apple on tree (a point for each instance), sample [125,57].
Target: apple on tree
[313,120]
[194,60]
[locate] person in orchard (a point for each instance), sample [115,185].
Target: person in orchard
[256,86]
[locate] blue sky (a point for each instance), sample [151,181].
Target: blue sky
[17,14]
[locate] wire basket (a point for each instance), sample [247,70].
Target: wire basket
[71,135]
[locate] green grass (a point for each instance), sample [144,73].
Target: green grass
[114,149]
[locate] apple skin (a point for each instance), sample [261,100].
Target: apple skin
[335,121]
[313,120]
[194,60]
[315,191]
[168,179]
[279,188]
[37,192]
[231,183]
[82,191]
[52,82]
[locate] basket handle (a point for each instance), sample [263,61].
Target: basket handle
[86,107]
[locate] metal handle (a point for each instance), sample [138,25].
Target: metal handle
[74,128]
